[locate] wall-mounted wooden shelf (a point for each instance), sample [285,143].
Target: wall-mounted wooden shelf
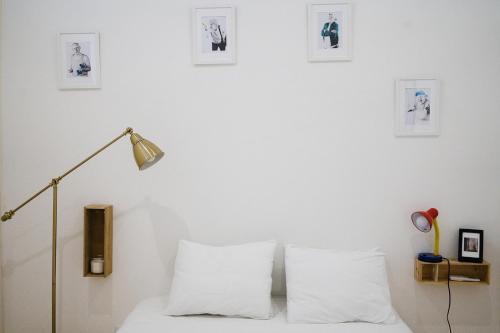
[98,237]
[438,272]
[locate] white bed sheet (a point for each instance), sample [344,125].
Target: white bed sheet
[147,317]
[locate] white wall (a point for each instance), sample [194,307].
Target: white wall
[1,173]
[272,147]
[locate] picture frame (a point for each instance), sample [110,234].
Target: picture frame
[417,107]
[79,65]
[214,35]
[470,245]
[329,31]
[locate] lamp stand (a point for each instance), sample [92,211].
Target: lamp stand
[435,256]
[435,224]
[145,153]
[54,252]
[54,183]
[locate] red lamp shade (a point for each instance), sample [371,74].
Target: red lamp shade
[423,220]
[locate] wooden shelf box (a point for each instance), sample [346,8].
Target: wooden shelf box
[438,272]
[98,237]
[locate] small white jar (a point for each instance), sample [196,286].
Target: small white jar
[97,265]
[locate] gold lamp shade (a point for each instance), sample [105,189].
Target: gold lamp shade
[146,153]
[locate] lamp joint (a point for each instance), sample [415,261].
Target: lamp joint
[55,181]
[128,130]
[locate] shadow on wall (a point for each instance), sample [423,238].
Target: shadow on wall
[432,300]
[432,303]
[145,247]
[158,230]
[10,266]
[168,229]
[279,277]
[166,226]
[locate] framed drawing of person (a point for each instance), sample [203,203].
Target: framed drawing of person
[214,35]
[329,31]
[79,63]
[417,107]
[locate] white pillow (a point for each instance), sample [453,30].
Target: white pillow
[226,280]
[327,286]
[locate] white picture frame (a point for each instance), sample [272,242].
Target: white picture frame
[329,31]
[214,35]
[79,65]
[417,107]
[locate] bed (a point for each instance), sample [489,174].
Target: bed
[147,317]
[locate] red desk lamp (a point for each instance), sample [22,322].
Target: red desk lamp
[424,221]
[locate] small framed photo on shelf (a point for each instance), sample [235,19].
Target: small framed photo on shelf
[79,63]
[470,245]
[214,35]
[417,107]
[329,31]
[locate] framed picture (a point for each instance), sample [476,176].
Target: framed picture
[329,33]
[214,37]
[417,107]
[470,245]
[79,63]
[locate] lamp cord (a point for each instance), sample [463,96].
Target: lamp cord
[449,296]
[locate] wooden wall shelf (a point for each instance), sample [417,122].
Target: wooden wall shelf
[438,272]
[98,237]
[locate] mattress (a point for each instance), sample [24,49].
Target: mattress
[147,317]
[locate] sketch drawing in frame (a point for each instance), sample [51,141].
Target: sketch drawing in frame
[329,31]
[79,61]
[214,37]
[417,107]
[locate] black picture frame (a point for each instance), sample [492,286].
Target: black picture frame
[470,245]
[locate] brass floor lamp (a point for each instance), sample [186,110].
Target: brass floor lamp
[146,154]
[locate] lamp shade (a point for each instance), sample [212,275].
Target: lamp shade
[423,220]
[146,153]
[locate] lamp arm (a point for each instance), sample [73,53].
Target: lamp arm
[436,236]
[127,131]
[8,215]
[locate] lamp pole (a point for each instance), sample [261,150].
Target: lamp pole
[146,154]
[54,253]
